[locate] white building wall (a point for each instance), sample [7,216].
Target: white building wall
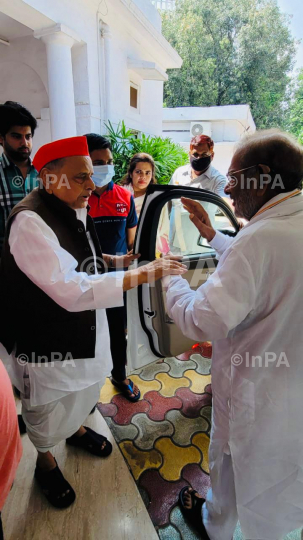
[228,125]
[101,87]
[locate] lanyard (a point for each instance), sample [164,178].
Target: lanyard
[278,202]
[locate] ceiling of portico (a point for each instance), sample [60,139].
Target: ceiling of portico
[11,29]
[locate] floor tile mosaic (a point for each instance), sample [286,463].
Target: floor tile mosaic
[164,437]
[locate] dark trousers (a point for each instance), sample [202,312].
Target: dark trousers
[116,318]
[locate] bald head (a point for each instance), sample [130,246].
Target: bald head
[279,151]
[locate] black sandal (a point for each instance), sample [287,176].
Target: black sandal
[193,514]
[92,442]
[125,389]
[53,485]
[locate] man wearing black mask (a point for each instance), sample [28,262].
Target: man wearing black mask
[200,173]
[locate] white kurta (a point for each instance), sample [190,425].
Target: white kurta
[252,306]
[38,254]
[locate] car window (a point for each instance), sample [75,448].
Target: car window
[178,235]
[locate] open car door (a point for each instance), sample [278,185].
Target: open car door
[164,225]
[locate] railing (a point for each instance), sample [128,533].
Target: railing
[164,4]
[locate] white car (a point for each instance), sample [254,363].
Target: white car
[151,332]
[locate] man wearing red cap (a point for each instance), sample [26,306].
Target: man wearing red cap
[54,292]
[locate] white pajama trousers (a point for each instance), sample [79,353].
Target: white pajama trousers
[48,425]
[222,526]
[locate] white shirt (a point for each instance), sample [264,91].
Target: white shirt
[37,252]
[251,309]
[211,179]
[137,200]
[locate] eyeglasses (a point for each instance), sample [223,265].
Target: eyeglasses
[232,179]
[81,181]
[209,154]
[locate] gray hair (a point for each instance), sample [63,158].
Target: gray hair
[279,150]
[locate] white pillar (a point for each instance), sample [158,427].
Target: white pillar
[59,41]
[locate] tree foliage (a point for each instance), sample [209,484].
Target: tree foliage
[295,114]
[167,155]
[234,52]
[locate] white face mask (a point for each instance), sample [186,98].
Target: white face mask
[103,174]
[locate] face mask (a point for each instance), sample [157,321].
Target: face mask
[200,164]
[103,174]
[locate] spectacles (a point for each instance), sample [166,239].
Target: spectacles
[81,181]
[232,179]
[209,154]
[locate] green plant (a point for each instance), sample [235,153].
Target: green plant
[168,156]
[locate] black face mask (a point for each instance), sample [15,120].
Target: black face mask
[200,164]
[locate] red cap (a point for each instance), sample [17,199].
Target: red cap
[73,146]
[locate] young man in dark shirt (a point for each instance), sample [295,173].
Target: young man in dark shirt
[113,210]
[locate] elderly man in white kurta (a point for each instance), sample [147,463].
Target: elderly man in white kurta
[251,308]
[54,292]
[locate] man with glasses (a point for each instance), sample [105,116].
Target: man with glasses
[200,174]
[53,293]
[251,310]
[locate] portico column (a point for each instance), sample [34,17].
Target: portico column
[59,41]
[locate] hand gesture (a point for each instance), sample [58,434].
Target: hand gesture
[199,217]
[123,261]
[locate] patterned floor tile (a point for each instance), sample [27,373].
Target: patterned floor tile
[177,367]
[198,382]
[159,405]
[170,385]
[163,495]
[206,412]
[175,458]
[185,427]
[127,409]
[107,409]
[202,442]
[192,403]
[145,386]
[122,433]
[196,478]
[108,391]
[187,532]
[149,372]
[169,533]
[148,431]
[139,460]
[203,365]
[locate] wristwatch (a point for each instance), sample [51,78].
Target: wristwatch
[111,262]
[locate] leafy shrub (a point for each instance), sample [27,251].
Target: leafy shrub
[168,155]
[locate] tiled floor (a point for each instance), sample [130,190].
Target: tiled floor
[164,438]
